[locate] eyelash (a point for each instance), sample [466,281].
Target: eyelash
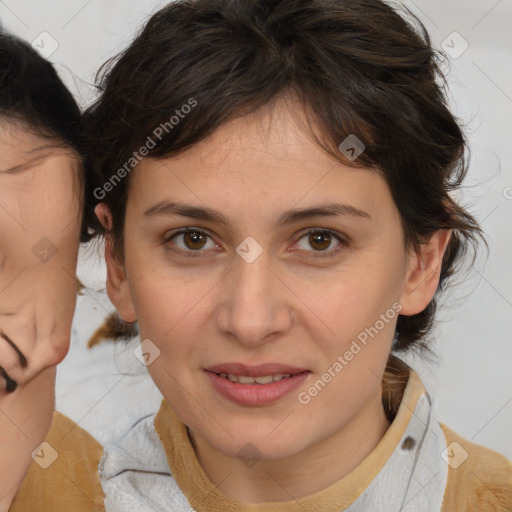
[319,254]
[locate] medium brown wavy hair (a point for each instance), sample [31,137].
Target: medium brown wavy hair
[358,67]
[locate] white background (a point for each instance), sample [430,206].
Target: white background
[471,382]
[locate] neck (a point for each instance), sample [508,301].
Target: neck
[301,474]
[25,421]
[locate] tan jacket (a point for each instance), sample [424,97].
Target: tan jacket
[483,483]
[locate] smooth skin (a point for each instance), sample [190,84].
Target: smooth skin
[40,216]
[290,306]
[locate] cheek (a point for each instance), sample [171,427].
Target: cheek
[41,208]
[49,201]
[354,299]
[360,310]
[164,304]
[363,328]
[171,315]
[361,318]
[171,312]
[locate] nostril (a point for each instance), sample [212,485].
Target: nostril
[11,384]
[23,359]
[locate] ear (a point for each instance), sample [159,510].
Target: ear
[117,285]
[424,270]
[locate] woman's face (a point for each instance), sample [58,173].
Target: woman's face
[40,215]
[251,293]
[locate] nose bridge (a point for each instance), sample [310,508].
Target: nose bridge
[253,305]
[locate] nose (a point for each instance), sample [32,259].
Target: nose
[255,307]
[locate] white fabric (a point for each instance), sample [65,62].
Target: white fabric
[135,474]
[411,480]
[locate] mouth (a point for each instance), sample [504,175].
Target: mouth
[246,379]
[255,385]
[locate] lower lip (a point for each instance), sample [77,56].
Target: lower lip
[255,394]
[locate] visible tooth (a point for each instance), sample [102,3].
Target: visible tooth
[265,379]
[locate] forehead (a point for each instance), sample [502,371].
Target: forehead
[20,144]
[17,136]
[263,158]
[273,136]
[31,163]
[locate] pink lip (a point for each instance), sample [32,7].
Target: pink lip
[255,394]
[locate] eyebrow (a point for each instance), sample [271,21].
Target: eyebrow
[40,148]
[168,208]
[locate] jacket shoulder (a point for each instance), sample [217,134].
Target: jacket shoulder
[64,473]
[479,479]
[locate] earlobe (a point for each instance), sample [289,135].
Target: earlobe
[423,273]
[118,290]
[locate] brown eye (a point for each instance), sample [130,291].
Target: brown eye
[323,242]
[189,241]
[320,241]
[194,240]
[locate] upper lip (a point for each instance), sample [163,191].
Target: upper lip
[255,370]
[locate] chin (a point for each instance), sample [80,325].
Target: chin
[263,443]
